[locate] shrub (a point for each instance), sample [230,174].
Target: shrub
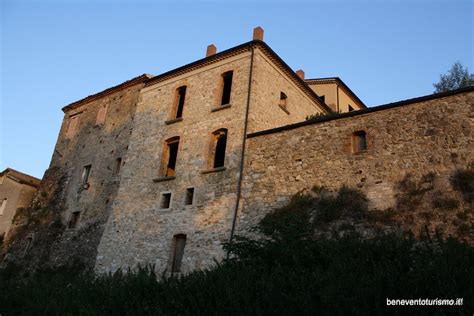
[446,203]
[463,181]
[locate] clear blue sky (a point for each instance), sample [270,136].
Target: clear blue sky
[56,52]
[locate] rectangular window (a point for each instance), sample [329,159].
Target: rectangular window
[180,95]
[226,87]
[74,220]
[172,156]
[188,199]
[3,206]
[165,200]
[179,242]
[118,165]
[101,115]
[85,174]
[359,142]
[72,126]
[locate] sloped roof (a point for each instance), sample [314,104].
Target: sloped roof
[20,177]
[238,50]
[123,85]
[335,80]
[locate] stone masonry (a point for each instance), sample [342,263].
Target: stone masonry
[135,177]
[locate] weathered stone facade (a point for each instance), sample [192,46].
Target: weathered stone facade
[141,182]
[410,139]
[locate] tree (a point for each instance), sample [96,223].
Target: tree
[457,77]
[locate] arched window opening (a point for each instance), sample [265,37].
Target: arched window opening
[226,87]
[219,145]
[169,157]
[179,103]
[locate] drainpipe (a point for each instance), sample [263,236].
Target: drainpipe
[239,183]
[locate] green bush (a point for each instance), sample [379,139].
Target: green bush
[463,181]
[282,274]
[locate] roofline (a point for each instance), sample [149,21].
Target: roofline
[237,50]
[364,111]
[35,181]
[338,81]
[123,85]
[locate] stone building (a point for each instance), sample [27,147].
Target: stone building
[16,191]
[164,169]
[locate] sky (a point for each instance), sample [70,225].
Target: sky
[56,52]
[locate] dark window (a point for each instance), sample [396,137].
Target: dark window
[171,154]
[283,100]
[359,141]
[74,219]
[227,87]
[323,98]
[350,108]
[220,138]
[188,199]
[179,241]
[86,173]
[180,95]
[165,200]
[118,165]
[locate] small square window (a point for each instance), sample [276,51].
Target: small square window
[359,142]
[189,197]
[165,200]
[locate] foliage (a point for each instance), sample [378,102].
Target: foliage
[280,274]
[319,115]
[457,77]
[463,181]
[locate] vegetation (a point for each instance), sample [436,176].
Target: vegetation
[457,77]
[463,181]
[288,272]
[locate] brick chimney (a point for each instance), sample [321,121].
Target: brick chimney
[258,33]
[300,73]
[211,50]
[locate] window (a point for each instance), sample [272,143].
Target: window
[86,171]
[74,219]
[359,142]
[3,205]
[165,200]
[189,197]
[101,115]
[169,157]
[283,100]
[72,126]
[179,241]
[218,146]
[226,87]
[350,108]
[323,98]
[118,165]
[179,103]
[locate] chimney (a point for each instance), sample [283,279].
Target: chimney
[211,50]
[258,33]
[300,73]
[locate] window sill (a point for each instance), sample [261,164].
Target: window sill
[284,109]
[218,169]
[179,119]
[160,179]
[221,107]
[361,152]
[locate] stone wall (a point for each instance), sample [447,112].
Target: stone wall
[98,139]
[403,142]
[140,230]
[268,80]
